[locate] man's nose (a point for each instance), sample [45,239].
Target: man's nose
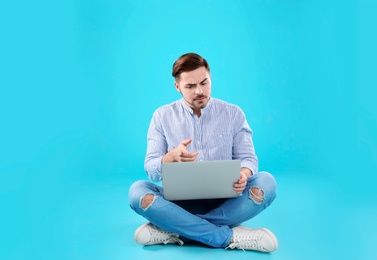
[198,90]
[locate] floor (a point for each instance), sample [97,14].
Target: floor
[73,218]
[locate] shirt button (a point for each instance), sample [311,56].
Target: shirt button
[198,142]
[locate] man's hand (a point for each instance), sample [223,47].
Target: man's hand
[241,184]
[180,153]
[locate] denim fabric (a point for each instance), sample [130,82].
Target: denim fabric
[205,221]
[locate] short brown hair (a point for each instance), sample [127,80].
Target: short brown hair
[188,62]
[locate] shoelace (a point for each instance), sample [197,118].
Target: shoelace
[173,240]
[242,242]
[162,236]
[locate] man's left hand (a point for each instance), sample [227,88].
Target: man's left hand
[241,184]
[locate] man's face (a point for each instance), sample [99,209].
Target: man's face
[195,87]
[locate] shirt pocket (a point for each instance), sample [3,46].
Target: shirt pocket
[220,146]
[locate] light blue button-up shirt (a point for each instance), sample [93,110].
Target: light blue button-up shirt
[220,133]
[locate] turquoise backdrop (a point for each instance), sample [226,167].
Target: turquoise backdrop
[80,80]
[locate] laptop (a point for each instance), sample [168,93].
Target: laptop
[200,180]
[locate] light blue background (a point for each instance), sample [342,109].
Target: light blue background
[80,81]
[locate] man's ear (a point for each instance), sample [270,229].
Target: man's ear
[177,87]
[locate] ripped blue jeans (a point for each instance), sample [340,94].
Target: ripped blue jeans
[205,221]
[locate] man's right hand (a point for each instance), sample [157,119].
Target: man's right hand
[180,153]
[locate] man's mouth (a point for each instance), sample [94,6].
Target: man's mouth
[200,98]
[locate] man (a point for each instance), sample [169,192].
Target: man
[196,128]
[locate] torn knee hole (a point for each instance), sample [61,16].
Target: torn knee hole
[147,201]
[257,195]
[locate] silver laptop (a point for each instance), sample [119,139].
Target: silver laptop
[200,180]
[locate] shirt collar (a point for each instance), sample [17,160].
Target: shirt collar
[189,109]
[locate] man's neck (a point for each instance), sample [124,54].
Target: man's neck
[198,112]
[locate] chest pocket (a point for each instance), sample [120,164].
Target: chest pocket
[220,146]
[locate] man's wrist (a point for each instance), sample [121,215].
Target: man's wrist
[167,158]
[247,172]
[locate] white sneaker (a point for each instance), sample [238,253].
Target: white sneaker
[260,239]
[149,234]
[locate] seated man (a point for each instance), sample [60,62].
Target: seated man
[195,128]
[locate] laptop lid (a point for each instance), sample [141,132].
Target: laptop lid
[200,180]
